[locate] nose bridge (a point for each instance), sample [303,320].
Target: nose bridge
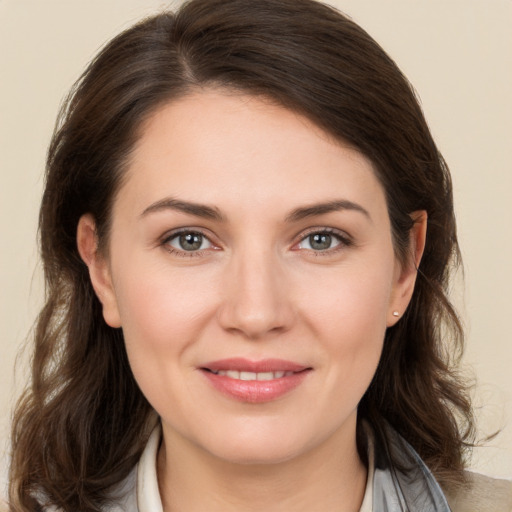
[255,301]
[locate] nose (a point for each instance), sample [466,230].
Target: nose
[256,300]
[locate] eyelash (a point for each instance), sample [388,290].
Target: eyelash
[344,240]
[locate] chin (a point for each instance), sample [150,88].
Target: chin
[260,446]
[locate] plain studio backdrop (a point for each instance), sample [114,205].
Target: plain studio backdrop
[457,54]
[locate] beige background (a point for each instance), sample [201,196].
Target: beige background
[457,53]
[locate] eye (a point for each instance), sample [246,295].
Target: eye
[189,241]
[322,241]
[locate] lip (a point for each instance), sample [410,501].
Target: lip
[255,391]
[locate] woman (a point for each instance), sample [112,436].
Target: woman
[247,232]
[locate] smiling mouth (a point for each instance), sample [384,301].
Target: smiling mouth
[255,382]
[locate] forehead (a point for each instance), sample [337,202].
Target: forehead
[222,147]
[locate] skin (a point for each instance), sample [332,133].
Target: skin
[257,288]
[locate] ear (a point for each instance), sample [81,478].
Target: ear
[99,270]
[406,272]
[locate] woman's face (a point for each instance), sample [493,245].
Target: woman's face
[252,270]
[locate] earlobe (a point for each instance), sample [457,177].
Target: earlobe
[406,273]
[99,271]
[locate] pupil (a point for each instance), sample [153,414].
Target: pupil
[191,241]
[320,241]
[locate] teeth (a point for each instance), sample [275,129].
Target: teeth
[234,374]
[247,376]
[267,376]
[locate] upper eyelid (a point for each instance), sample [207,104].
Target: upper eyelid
[173,233]
[319,229]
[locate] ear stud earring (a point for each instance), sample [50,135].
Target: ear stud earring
[396,313]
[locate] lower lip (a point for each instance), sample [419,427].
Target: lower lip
[255,391]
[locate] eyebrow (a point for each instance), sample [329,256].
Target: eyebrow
[213,213]
[199,210]
[324,208]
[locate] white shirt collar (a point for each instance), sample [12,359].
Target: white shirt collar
[148,495]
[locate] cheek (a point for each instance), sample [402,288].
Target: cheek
[348,316]
[162,310]
[349,303]
[155,297]
[162,317]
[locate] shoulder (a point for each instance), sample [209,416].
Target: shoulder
[481,493]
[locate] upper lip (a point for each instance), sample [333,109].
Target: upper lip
[246,365]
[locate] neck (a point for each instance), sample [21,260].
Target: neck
[328,477]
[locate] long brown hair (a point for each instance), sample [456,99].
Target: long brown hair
[82,423]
